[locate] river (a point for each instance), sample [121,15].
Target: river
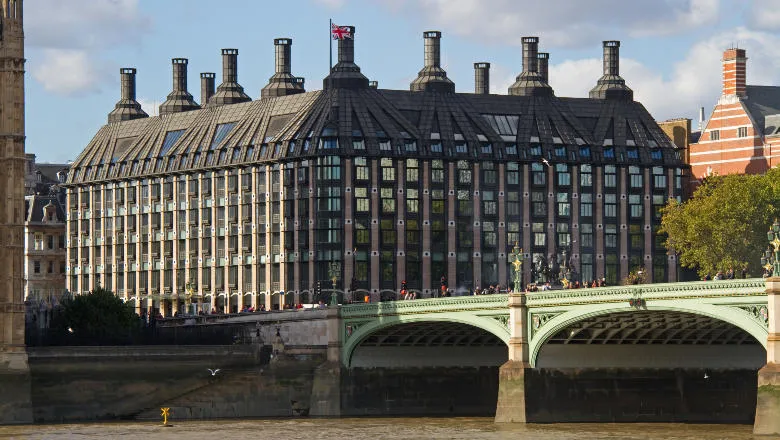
[374,429]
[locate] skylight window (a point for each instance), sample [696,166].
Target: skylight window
[220,133]
[170,138]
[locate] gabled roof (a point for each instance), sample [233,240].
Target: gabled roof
[325,122]
[35,204]
[762,102]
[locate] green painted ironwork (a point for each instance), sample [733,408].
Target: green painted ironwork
[742,303]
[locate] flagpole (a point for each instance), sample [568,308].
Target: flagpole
[330,43]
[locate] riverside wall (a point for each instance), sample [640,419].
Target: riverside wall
[114,383]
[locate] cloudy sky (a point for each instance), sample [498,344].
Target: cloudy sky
[670,53]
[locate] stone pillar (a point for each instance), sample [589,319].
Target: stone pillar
[510,407]
[326,387]
[768,400]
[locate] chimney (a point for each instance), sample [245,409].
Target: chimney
[542,60]
[346,74]
[127,108]
[734,72]
[229,92]
[373,84]
[482,78]
[432,78]
[611,85]
[282,82]
[701,118]
[206,87]
[179,100]
[529,82]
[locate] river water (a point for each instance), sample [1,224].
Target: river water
[374,429]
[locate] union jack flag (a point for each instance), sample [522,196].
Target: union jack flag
[340,32]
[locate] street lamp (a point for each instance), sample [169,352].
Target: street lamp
[771,259]
[516,259]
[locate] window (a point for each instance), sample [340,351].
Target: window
[36,267]
[437,171]
[635,205]
[464,172]
[412,201]
[436,147]
[656,154]
[564,207]
[715,135]
[387,201]
[659,178]
[540,238]
[537,170]
[609,153]
[461,148]
[585,152]
[586,235]
[633,154]
[586,175]
[610,205]
[586,205]
[489,206]
[512,204]
[388,171]
[742,132]
[362,202]
[635,177]
[610,176]
[564,238]
[610,236]
[564,176]
[538,205]
[384,145]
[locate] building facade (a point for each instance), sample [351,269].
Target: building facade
[742,134]
[238,202]
[44,250]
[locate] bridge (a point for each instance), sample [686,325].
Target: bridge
[711,324]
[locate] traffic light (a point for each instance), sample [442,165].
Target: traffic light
[318,289]
[403,285]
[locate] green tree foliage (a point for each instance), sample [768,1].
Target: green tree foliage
[724,224]
[99,314]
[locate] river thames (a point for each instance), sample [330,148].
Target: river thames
[374,429]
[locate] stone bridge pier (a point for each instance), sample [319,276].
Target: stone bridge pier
[768,398]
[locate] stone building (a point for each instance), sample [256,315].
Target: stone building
[15,397]
[44,250]
[742,134]
[43,178]
[235,200]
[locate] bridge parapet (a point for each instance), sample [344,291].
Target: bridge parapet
[666,291]
[430,305]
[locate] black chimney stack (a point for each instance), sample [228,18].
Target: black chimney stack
[127,107]
[529,82]
[611,85]
[206,87]
[229,92]
[542,60]
[432,77]
[346,74]
[482,78]
[179,100]
[282,82]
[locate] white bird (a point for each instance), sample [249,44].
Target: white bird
[70,330]
[706,376]
[213,372]
[544,161]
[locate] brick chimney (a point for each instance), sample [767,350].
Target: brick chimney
[734,72]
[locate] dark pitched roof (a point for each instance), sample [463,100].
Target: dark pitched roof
[35,204]
[761,102]
[324,122]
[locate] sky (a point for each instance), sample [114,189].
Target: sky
[670,49]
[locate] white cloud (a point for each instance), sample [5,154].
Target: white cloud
[560,22]
[69,72]
[72,37]
[333,4]
[151,107]
[765,14]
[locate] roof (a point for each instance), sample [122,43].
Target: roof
[35,204]
[325,122]
[763,102]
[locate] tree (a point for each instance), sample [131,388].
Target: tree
[98,315]
[724,224]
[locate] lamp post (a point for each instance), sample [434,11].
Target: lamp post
[771,258]
[516,259]
[334,269]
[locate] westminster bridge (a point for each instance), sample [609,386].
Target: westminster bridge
[707,329]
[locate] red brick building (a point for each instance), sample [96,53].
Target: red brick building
[742,134]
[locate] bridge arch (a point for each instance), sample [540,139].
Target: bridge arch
[488,323]
[731,315]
